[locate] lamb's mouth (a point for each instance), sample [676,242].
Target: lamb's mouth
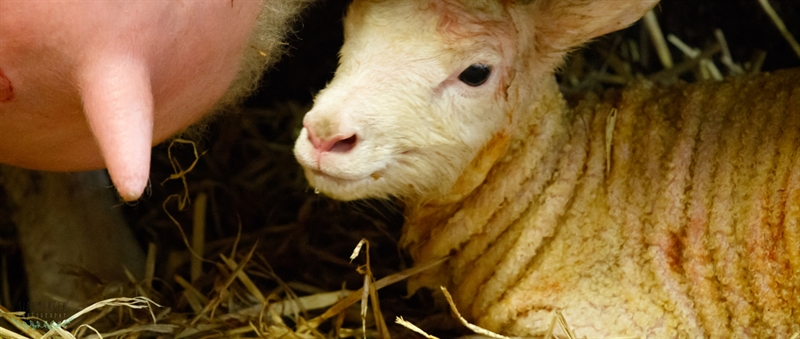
[339,180]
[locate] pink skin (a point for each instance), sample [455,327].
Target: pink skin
[92,84]
[339,143]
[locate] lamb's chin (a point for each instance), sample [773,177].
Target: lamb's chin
[346,189]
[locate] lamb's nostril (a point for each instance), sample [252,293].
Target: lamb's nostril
[328,136]
[314,139]
[337,143]
[344,145]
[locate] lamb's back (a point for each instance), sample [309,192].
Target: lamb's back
[683,219]
[704,185]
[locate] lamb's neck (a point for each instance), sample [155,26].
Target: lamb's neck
[507,185]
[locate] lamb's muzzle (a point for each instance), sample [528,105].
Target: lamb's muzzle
[682,222]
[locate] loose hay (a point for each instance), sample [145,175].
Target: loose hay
[58,329]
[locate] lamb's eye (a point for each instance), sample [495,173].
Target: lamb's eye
[475,75]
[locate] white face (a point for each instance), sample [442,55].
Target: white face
[406,112]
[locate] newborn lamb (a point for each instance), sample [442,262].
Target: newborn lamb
[654,211]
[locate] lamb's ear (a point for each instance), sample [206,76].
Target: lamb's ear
[564,24]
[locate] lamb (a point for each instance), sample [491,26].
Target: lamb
[653,211]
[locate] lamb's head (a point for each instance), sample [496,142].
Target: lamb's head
[425,87]
[414,98]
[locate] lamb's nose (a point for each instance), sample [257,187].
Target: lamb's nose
[338,143]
